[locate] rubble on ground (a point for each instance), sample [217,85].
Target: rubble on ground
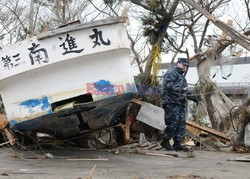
[139,132]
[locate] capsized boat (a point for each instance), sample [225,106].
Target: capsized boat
[68,80]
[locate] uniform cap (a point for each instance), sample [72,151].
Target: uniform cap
[184,61]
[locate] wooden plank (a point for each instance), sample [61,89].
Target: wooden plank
[139,150]
[137,101]
[197,138]
[208,130]
[195,131]
[160,155]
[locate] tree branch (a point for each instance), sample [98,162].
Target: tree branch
[239,38]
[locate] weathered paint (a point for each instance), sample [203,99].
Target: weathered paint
[104,86]
[43,105]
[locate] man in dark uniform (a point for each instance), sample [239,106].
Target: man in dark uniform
[175,95]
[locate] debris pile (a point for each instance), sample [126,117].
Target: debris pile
[138,130]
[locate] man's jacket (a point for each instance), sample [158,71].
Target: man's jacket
[175,88]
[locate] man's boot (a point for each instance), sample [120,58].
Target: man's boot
[177,146]
[165,144]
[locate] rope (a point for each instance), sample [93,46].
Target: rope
[155,62]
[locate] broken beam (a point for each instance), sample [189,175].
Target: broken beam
[208,130]
[137,101]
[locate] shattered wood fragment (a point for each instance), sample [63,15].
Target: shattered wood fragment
[198,139]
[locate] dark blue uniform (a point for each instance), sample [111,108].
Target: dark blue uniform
[174,100]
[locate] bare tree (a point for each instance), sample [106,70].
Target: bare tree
[218,105]
[22,18]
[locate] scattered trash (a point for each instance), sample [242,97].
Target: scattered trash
[49,155]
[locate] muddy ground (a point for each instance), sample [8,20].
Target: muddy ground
[203,164]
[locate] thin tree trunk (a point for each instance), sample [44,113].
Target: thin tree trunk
[31,17]
[161,35]
[64,11]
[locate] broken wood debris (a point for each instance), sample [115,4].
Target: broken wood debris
[198,139]
[88,159]
[91,172]
[208,130]
[154,115]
